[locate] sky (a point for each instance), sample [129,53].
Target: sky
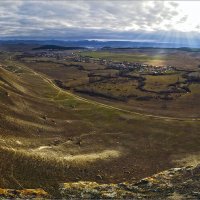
[164,21]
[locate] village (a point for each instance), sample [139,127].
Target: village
[141,68]
[100,76]
[127,66]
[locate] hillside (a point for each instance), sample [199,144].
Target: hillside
[50,136]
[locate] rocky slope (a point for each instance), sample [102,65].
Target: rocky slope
[23,194]
[176,183]
[172,184]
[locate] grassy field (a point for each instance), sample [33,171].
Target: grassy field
[49,136]
[180,59]
[120,57]
[159,83]
[117,88]
[108,85]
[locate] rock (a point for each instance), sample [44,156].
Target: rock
[23,194]
[169,184]
[175,183]
[99,176]
[44,117]
[56,142]
[78,141]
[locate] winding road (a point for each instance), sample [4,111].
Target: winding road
[51,82]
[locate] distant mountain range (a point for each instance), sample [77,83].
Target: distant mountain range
[56,47]
[99,44]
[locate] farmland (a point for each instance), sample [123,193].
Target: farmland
[160,90]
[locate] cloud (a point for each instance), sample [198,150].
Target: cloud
[86,19]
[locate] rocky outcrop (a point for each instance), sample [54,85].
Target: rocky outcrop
[176,183]
[23,194]
[173,184]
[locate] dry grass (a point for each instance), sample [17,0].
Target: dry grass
[116,145]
